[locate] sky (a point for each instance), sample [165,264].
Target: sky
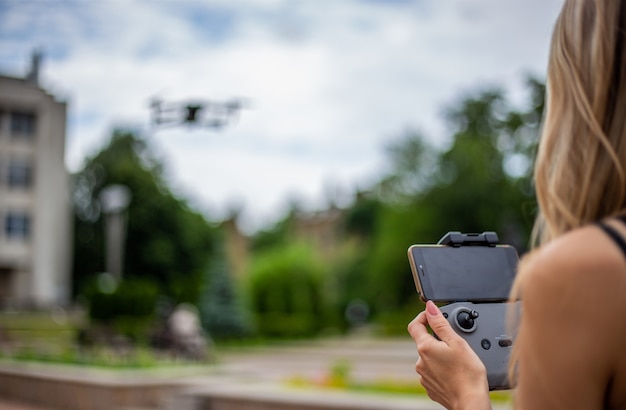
[328,84]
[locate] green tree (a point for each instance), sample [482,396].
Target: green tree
[480,182]
[166,241]
[222,312]
[414,166]
[476,193]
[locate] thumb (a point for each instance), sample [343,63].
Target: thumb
[438,323]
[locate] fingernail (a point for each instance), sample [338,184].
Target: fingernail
[432,308]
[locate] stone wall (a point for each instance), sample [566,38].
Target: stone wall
[55,388]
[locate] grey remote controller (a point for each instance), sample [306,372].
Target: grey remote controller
[483,326]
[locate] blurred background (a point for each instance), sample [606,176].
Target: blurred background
[180,175]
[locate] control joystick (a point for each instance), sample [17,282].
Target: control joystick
[465,320]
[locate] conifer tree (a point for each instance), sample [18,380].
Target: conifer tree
[221,310]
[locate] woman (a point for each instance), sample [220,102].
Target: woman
[570,351]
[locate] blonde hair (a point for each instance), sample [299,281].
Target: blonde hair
[579,171]
[580,166]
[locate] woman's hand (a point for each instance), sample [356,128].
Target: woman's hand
[450,370]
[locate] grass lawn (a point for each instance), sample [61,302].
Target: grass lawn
[50,337]
[54,328]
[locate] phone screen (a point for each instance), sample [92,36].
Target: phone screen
[466,273]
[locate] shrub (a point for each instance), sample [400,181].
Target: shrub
[127,308]
[131,298]
[286,293]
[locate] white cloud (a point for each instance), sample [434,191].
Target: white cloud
[329,82]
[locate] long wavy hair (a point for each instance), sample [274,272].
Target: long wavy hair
[580,171]
[580,167]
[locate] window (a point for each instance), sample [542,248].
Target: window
[22,124]
[17,226]
[20,174]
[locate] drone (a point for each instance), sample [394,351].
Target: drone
[210,114]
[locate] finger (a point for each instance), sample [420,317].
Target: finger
[438,323]
[417,328]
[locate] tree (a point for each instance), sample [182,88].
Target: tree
[166,240]
[413,168]
[480,182]
[222,313]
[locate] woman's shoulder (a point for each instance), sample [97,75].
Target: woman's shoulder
[581,274]
[583,257]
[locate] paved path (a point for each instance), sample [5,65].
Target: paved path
[366,360]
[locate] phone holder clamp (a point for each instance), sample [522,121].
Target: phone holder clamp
[457,239]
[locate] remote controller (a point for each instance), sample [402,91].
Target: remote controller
[483,326]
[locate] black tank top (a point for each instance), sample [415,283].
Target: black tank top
[614,235]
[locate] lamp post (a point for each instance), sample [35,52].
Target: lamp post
[114,200]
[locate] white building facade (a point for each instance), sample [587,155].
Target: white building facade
[35,199]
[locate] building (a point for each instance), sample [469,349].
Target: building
[35,206]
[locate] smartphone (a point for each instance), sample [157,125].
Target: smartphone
[463,274]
